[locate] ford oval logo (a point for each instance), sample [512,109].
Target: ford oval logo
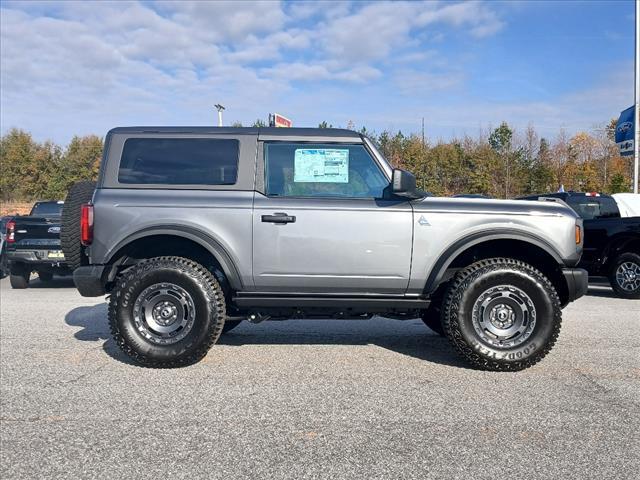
[54,230]
[623,127]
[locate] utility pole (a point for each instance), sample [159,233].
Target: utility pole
[220,108]
[636,120]
[424,149]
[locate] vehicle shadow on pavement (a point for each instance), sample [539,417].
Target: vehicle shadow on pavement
[57,282]
[410,337]
[95,328]
[93,321]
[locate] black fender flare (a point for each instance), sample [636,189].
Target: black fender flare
[618,243]
[205,240]
[456,248]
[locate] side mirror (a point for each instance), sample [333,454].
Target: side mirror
[403,184]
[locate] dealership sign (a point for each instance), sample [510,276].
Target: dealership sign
[625,131]
[277,120]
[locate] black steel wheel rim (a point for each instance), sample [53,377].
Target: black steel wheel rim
[164,313]
[504,316]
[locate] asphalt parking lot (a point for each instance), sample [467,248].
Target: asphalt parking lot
[313,399]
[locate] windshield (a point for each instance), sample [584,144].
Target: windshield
[47,209]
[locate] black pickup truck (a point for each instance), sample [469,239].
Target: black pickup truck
[611,242]
[33,244]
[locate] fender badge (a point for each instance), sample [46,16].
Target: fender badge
[423,221]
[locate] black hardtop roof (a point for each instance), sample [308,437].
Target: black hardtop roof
[271,131]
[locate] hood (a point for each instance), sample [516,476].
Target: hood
[493,207]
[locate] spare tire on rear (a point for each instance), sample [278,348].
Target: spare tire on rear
[79,193]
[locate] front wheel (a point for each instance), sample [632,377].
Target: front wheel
[625,275]
[166,312]
[502,314]
[19,281]
[19,276]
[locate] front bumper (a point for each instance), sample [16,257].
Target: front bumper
[577,282]
[89,280]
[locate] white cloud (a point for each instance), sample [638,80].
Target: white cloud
[74,67]
[375,30]
[289,72]
[230,21]
[418,83]
[302,10]
[482,20]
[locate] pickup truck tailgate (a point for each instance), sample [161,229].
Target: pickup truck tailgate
[37,232]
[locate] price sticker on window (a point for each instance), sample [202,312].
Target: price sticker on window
[324,165]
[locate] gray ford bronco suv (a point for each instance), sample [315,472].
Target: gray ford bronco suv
[191,230]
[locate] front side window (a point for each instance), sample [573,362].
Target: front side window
[322,170]
[179,161]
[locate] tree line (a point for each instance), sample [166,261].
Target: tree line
[501,163]
[504,163]
[34,170]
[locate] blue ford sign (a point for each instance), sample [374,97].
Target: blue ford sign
[625,131]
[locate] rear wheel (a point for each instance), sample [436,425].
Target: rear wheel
[625,275]
[19,276]
[502,314]
[79,193]
[4,268]
[166,312]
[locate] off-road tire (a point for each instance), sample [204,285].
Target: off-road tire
[19,277]
[79,193]
[624,258]
[208,299]
[230,325]
[45,276]
[432,317]
[470,284]
[4,265]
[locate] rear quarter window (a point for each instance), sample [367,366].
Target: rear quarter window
[590,208]
[179,161]
[48,208]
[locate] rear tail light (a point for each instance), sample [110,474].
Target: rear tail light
[11,231]
[86,224]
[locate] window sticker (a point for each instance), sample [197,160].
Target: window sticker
[321,165]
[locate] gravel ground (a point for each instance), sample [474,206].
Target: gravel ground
[313,399]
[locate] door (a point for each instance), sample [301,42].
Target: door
[601,216]
[323,224]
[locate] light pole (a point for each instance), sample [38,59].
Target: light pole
[220,108]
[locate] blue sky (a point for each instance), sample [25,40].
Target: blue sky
[76,68]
